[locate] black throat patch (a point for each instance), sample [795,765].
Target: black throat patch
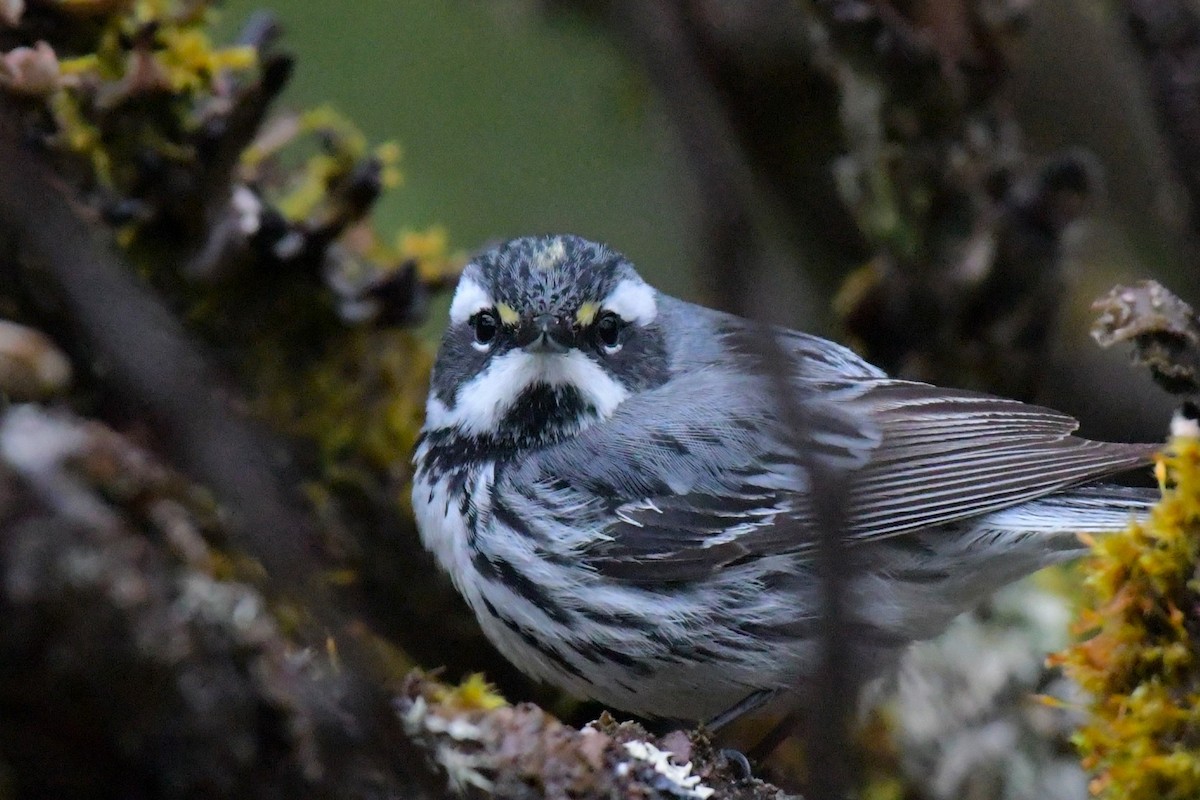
[544,414]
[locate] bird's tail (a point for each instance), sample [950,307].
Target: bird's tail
[1096,508]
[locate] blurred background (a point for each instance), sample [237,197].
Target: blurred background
[520,117]
[219,317]
[511,121]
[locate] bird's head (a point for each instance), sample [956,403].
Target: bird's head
[547,334]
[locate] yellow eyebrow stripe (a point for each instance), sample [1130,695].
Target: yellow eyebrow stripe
[508,314]
[586,313]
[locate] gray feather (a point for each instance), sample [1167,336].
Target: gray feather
[698,474]
[647,538]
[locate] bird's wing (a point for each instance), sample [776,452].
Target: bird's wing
[714,478]
[947,454]
[680,481]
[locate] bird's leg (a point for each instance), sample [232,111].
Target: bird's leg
[776,736]
[773,738]
[750,702]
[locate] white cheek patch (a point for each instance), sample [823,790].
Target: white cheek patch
[436,413]
[597,388]
[633,301]
[480,403]
[483,401]
[469,298]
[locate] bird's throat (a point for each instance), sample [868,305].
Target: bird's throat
[543,414]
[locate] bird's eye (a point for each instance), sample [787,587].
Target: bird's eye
[608,331]
[486,326]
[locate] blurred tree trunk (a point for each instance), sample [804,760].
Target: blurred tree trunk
[870,153]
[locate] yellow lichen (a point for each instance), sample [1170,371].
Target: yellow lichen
[79,135]
[344,147]
[141,49]
[357,393]
[429,248]
[1140,660]
[473,694]
[190,60]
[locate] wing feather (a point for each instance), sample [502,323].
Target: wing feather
[699,474]
[946,454]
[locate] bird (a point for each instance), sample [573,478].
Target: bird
[628,489]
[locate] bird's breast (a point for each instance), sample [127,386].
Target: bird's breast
[450,505]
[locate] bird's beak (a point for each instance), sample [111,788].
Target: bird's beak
[546,333]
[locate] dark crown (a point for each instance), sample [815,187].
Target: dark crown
[538,274]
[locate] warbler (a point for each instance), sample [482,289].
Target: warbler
[616,482]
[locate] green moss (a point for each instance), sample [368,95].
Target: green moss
[361,400]
[357,392]
[1140,660]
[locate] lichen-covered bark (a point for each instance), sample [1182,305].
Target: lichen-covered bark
[1163,330]
[132,663]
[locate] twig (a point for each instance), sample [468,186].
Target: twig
[732,251]
[1164,332]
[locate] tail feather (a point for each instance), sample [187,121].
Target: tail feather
[1097,508]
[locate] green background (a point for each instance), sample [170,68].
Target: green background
[510,122]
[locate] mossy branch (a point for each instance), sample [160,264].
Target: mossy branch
[1140,660]
[1139,657]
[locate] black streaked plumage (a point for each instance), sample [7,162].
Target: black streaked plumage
[631,517]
